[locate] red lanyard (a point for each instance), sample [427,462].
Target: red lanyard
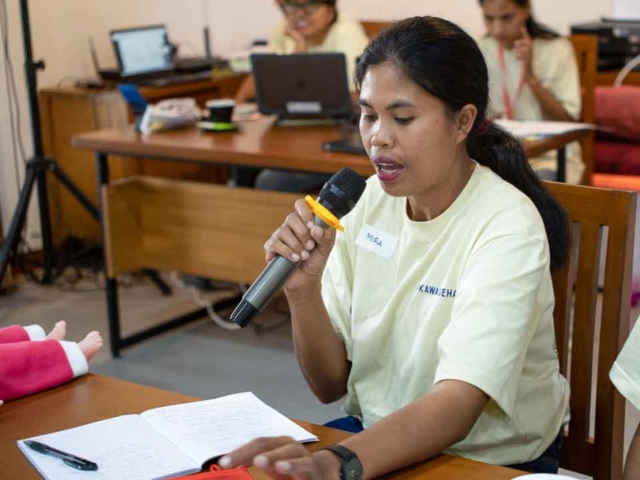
[509,104]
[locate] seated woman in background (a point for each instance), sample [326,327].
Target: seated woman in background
[312,26]
[533,75]
[309,26]
[432,313]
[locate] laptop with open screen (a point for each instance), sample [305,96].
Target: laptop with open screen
[142,51]
[145,54]
[302,86]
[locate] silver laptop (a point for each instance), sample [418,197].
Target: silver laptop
[143,51]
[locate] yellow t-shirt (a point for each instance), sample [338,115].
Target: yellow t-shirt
[345,36]
[556,67]
[466,296]
[625,373]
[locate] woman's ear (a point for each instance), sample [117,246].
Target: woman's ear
[465,119]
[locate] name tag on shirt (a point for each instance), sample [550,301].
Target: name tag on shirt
[377,241]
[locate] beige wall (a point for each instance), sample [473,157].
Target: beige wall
[627,9]
[61,29]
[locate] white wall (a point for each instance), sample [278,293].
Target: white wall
[627,9]
[61,29]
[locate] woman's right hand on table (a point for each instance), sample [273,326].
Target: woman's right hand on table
[301,241]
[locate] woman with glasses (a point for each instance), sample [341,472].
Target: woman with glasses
[312,26]
[533,75]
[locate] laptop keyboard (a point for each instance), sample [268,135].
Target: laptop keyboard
[177,78]
[197,64]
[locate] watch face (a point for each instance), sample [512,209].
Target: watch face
[352,469]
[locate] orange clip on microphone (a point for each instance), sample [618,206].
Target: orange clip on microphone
[323,213]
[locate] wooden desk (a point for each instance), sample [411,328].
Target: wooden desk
[221,86]
[66,111]
[209,231]
[535,148]
[607,78]
[92,398]
[259,144]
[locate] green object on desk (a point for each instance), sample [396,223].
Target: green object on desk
[217,126]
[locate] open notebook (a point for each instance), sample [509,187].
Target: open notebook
[163,442]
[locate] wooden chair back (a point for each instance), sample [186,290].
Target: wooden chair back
[588,343]
[372,28]
[586,48]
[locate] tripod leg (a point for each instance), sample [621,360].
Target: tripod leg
[75,191]
[113,308]
[45,223]
[15,229]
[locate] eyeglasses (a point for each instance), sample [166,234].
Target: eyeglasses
[307,8]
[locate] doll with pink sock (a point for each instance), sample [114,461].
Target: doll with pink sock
[31,361]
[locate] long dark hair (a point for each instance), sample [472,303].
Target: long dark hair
[535,29]
[444,60]
[333,3]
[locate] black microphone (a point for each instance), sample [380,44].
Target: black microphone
[337,198]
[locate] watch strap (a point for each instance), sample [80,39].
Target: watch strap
[350,466]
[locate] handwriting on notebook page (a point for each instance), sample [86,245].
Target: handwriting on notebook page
[123,447]
[210,428]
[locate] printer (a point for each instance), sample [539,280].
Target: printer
[619,41]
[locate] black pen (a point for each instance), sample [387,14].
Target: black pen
[67,458]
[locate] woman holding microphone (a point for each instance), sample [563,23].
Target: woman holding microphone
[431,315]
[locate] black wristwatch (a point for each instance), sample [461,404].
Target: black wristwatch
[350,466]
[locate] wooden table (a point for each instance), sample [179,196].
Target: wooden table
[92,398]
[170,225]
[607,78]
[259,144]
[67,110]
[535,148]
